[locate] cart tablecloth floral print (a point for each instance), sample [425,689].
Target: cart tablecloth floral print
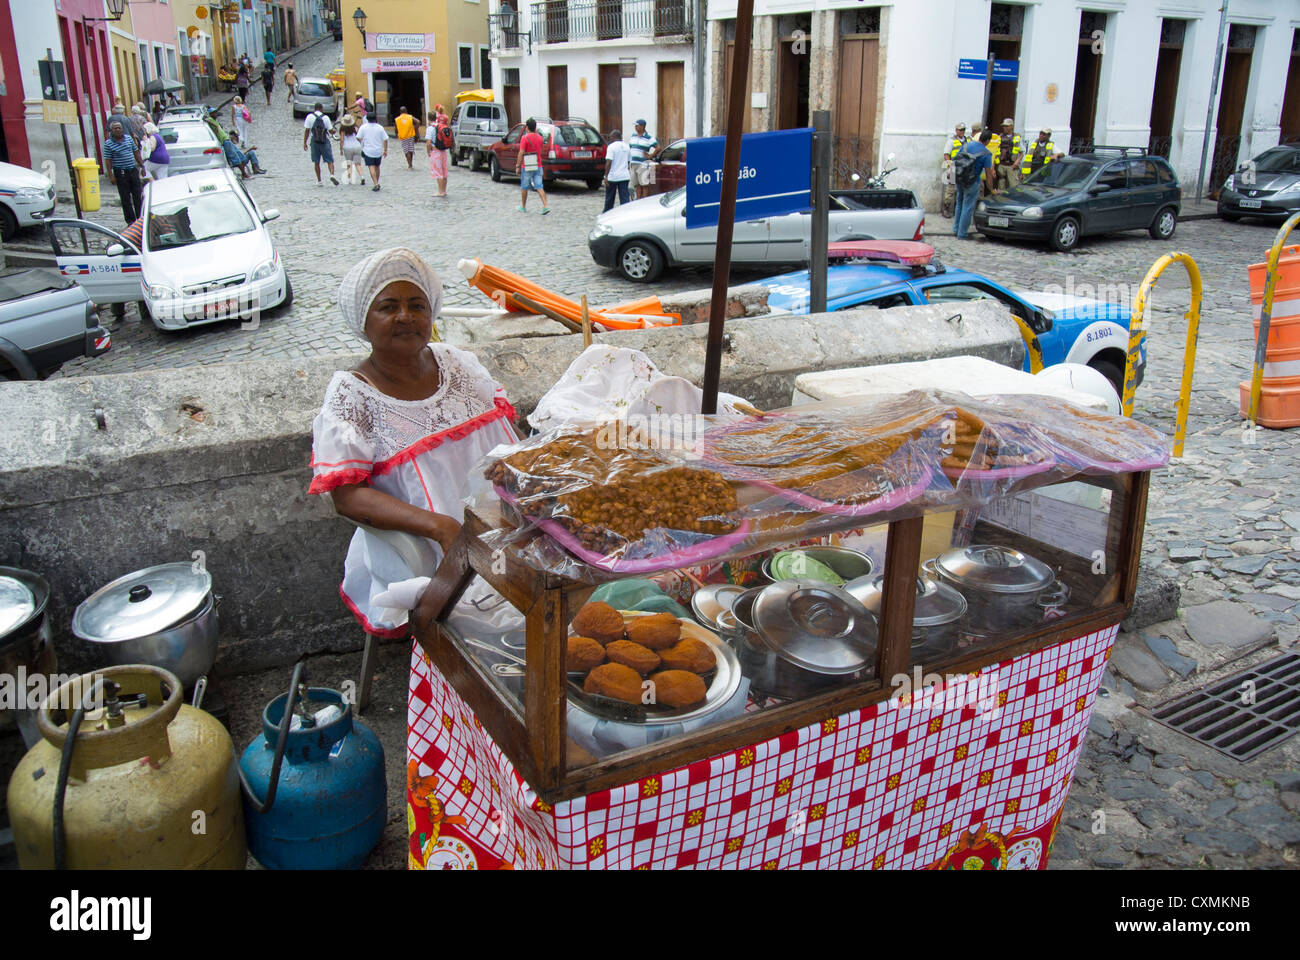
[971,776]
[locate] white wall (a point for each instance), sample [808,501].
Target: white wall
[37,29]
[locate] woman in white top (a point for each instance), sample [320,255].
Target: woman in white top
[351,147]
[398,435]
[241,116]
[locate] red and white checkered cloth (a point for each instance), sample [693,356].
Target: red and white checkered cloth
[974,775]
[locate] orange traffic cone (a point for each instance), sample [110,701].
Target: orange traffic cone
[1279,398]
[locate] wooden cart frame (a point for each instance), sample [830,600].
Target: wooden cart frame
[536,743]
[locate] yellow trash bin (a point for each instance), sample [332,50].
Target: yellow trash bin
[87,183]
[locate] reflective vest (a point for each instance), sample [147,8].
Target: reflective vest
[996,146]
[955,147]
[1032,158]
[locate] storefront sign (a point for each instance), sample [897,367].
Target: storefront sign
[412,42]
[775,176]
[58,111]
[394,64]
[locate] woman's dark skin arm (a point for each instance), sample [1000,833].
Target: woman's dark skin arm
[377,509]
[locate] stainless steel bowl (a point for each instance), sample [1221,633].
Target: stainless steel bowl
[848,564]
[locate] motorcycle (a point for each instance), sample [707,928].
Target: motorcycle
[874,183]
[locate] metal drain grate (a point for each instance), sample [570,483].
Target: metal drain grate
[1217,716]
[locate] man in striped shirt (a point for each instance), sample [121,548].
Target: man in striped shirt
[643,146]
[123,159]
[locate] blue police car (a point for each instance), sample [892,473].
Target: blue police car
[1068,328]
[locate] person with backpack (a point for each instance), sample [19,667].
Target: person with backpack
[438,141]
[973,163]
[317,129]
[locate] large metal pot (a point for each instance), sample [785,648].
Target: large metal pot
[936,613]
[164,616]
[26,643]
[1006,591]
[796,638]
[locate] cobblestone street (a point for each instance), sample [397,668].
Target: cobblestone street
[1223,521]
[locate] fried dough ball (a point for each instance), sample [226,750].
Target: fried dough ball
[677,688]
[584,653]
[657,631]
[599,621]
[639,658]
[614,680]
[689,654]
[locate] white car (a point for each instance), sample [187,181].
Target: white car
[206,257]
[25,198]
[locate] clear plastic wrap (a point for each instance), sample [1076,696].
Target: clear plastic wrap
[611,502]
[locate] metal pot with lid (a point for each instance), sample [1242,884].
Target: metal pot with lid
[1005,590]
[936,614]
[164,616]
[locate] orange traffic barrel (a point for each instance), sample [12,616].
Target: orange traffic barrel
[1279,399]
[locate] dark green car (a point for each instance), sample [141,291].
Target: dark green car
[1085,194]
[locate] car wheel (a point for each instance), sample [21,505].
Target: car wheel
[475,161]
[1111,372]
[640,261]
[8,224]
[453,157]
[593,183]
[1230,217]
[494,169]
[1065,235]
[1162,227]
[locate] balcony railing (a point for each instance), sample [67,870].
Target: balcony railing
[560,21]
[504,35]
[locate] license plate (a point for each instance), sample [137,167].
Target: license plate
[999,221]
[225,308]
[1252,204]
[582,154]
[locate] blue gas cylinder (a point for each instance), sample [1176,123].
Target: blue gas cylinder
[331,800]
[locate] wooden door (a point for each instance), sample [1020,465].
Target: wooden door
[512,105]
[611,98]
[747,123]
[557,80]
[1291,100]
[1083,106]
[1164,98]
[857,89]
[792,88]
[1232,104]
[672,103]
[1002,98]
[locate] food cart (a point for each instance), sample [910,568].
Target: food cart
[912,756]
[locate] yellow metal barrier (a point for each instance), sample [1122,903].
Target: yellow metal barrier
[1193,317]
[1032,346]
[1266,314]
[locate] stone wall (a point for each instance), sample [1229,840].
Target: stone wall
[211,462]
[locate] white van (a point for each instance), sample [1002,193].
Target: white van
[475,126]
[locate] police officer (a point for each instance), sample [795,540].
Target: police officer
[1039,153]
[1006,154]
[950,152]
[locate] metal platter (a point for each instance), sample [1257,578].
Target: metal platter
[722,686]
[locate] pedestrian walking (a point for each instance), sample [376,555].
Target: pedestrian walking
[268,57]
[242,81]
[1007,156]
[374,146]
[531,146]
[153,151]
[354,172]
[643,147]
[290,81]
[122,155]
[973,166]
[617,173]
[268,80]
[405,125]
[438,141]
[240,117]
[316,129]
[157,111]
[950,151]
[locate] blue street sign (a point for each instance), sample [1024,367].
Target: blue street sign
[979,69]
[775,176]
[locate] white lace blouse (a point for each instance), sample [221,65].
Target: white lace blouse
[419,451]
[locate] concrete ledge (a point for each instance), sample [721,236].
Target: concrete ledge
[214,459]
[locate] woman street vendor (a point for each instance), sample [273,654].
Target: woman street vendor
[398,434]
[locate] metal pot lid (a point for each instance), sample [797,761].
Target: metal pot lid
[142,603]
[17,604]
[816,626]
[936,603]
[994,569]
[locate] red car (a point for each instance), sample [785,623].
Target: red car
[574,150]
[670,169]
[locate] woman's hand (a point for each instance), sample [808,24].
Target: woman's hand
[442,529]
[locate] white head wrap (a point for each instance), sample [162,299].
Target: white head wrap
[150,129]
[362,284]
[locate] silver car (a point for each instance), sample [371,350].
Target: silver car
[184,111]
[640,238]
[191,145]
[311,91]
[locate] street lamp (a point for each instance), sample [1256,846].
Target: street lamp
[115,7]
[359,18]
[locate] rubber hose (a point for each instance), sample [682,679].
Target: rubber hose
[65,764]
[264,806]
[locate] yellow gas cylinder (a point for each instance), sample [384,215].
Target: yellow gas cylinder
[152,782]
